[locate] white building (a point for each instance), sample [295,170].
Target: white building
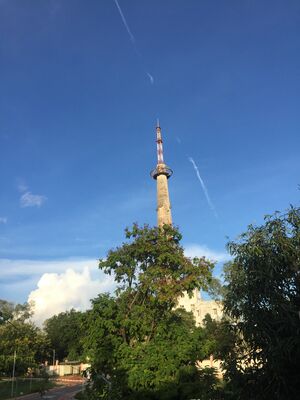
[200,307]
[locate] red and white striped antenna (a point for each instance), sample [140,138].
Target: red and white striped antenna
[159,144]
[161,168]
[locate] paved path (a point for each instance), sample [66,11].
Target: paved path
[59,393]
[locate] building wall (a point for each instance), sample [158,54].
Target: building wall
[200,307]
[66,369]
[211,363]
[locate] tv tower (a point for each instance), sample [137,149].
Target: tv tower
[161,174]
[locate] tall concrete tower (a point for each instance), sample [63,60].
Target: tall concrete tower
[161,174]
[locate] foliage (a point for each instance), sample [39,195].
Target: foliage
[17,312]
[137,341]
[263,299]
[220,338]
[20,337]
[153,265]
[162,367]
[6,310]
[65,332]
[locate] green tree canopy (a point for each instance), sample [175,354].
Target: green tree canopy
[263,300]
[137,340]
[18,335]
[10,311]
[219,337]
[65,332]
[153,265]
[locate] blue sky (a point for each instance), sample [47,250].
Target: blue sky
[78,113]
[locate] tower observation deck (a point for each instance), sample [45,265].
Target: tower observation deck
[161,174]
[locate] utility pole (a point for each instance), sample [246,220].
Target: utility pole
[13,374]
[15,358]
[53,361]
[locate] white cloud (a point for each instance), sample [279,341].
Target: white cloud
[20,277]
[28,199]
[35,268]
[56,293]
[3,220]
[58,285]
[196,250]
[32,200]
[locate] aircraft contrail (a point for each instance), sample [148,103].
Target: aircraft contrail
[132,39]
[150,77]
[212,207]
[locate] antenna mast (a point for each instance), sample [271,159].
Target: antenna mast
[161,174]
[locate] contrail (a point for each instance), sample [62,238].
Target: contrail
[212,207]
[132,38]
[150,77]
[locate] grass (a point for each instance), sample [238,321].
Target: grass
[23,386]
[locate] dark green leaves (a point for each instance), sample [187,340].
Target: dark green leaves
[65,332]
[263,297]
[137,338]
[153,263]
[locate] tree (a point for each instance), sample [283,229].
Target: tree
[153,266]
[65,332]
[219,337]
[18,335]
[263,300]
[6,310]
[17,312]
[137,340]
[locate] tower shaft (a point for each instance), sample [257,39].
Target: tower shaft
[161,174]
[164,216]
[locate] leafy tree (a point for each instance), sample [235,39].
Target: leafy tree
[137,340]
[19,336]
[17,312]
[6,310]
[153,265]
[156,367]
[263,300]
[220,338]
[65,332]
